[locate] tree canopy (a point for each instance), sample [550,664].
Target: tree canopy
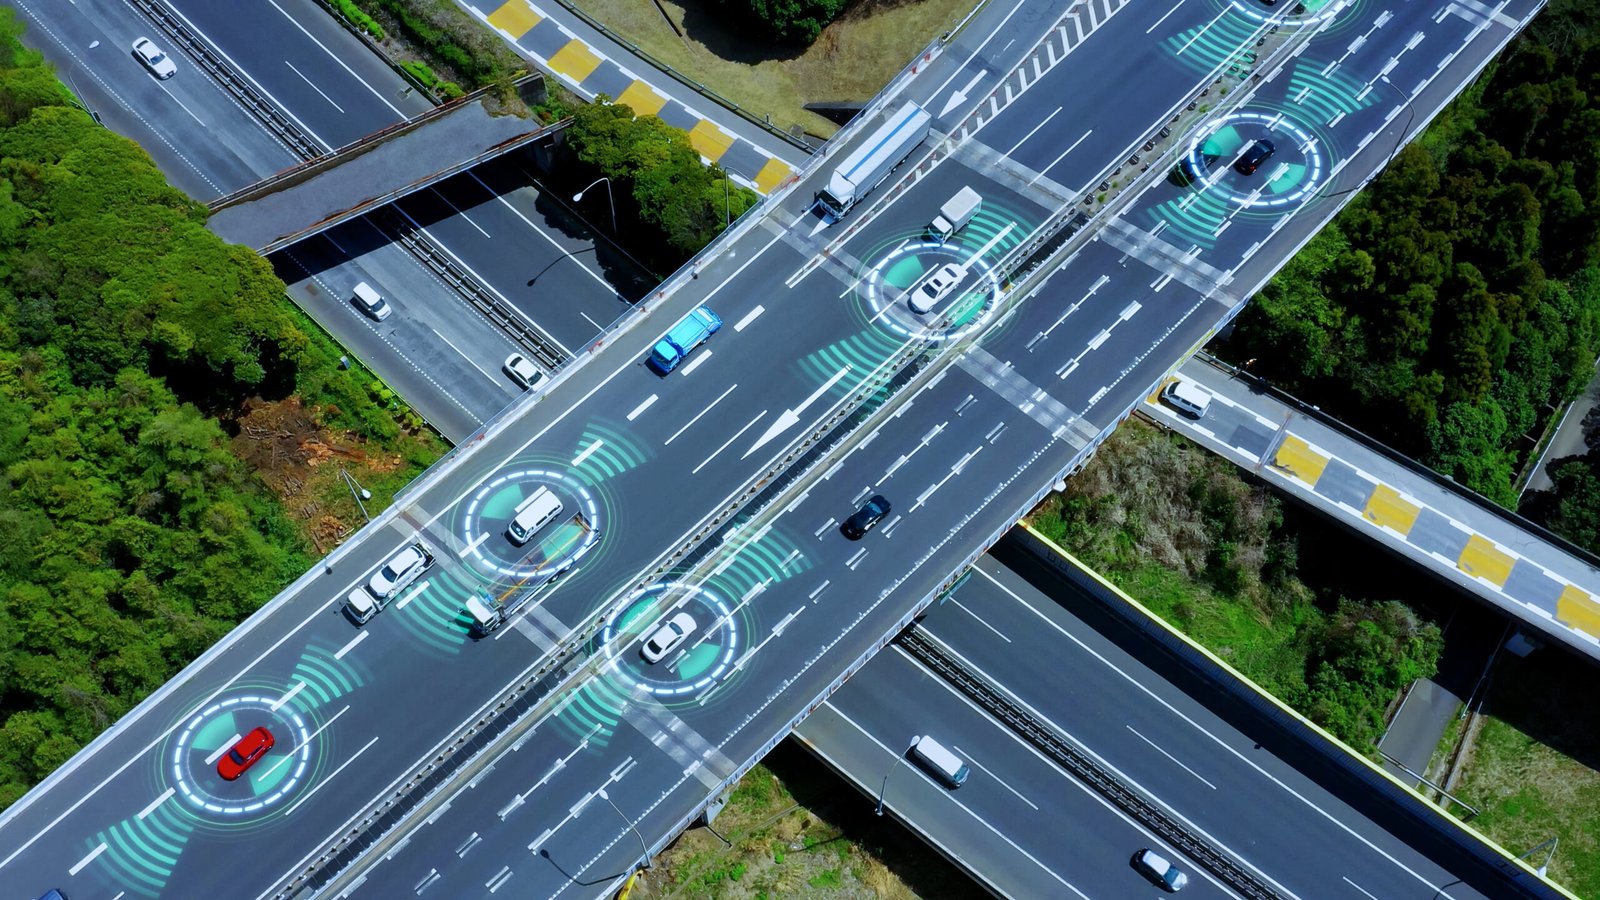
[1456,302]
[796,22]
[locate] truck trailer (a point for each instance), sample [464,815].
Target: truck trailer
[870,163]
[955,214]
[549,559]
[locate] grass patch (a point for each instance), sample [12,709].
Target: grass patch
[794,829]
[1534,770]
[851,60]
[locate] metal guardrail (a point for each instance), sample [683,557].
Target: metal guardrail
[277,124]
[485,301]
[1081,766]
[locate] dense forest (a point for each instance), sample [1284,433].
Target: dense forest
[1454,306]
[793,22]
[129,337]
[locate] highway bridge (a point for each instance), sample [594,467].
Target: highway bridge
[717,490]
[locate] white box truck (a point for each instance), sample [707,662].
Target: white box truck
[955,214]
[869,164]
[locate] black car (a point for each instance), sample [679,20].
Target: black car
[871,513]
[1259,152]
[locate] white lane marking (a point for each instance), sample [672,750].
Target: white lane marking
[156,803]
[1230,750]
[595,276]
[463,355]
[499,880]
[736,436]
[1358,887]
[819,589]
[1164,18]
[709,407]
[476,543]
[969,612]
[311,793]
[411,596]
[434,190]
[1042,122]
[638,410]
[278,704]
[1046,169]
[313,85]
[749,317]
[266,774]
[589,451]
[1001,781]
[352,645]
[696,362]
[791,417]
[226,746]
[1174,759]
[185,106]
[73,872]
[895,753]
[335,57]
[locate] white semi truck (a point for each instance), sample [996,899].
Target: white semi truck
[869,164]
[955,214]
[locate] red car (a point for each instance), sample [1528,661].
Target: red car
[244,754]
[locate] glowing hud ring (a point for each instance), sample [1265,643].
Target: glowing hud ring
[1255,12]
[569,488]
[661,688]
[1282,128]
[284,717]
[893,313]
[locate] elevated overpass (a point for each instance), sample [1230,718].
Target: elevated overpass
[376,170]
[734,523]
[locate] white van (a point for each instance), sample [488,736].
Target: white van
[943,764]
[371,302]
[1187,397]
[535,512]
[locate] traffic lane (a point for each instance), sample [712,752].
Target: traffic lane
[161,116]
[309,67]
[1208,758]
[331,688]
[987,44]
[1013,790]
[443,356]
[473,226]
[532,812]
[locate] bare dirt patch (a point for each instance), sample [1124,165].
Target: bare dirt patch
[299,461]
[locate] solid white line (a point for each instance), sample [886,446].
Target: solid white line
[313,85]
[463,355]
[352,645]
[969,612]
[226,746]
[157,802]
[589,451]
[1063,155]
[637,410]
[1358,887]
[540,232]
[182,104]
[333,56]
[434,190]
[1164,18]
[1042,122]
[324,782]
[747,427]
[298,687]
[697,415]
[73,872]
[749,317]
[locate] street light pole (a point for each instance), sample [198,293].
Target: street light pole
[611,200]
[884,788]
[644,849]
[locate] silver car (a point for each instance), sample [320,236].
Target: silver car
[159,64]
[523,371]
[927,296]
[665,637]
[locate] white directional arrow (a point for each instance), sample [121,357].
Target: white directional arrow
[960,96]
[790,417]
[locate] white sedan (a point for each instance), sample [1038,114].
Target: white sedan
[523,371]
[159,64]
[666,637]
[928,295]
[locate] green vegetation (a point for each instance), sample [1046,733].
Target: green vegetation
[1457,300]
[1533,770]
[1179,530]
[654,165]
[132,341]
[430,37]
[796,22]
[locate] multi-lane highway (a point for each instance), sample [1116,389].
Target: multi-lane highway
[784,606]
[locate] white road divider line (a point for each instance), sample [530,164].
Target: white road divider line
[638,410]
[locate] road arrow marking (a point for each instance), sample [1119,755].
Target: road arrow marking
[790,417]
[960,96]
